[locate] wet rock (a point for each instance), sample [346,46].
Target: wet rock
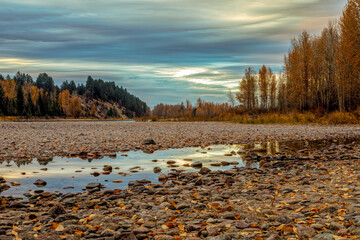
[107,168]
[40,183]
[157,170]
[16,204]
[163,178]
[117,181]
[56,210]
[197,164]
[4,187]
[204,170]
[93,185]
[95,174]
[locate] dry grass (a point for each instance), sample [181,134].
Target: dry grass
[275,118]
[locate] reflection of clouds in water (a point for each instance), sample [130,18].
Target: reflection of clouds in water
[60,171]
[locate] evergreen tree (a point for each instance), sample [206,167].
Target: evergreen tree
[2,101]
[30,108]
[45,82]
[19,100]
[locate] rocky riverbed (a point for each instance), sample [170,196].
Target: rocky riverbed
[92,139]
[309,193]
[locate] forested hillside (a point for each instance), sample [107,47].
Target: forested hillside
[22,96]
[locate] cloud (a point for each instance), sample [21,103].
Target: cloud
[137,43]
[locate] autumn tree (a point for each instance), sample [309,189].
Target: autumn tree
[272,89]
[64,102]
[297,68]
[281,93]
[263,87]
[93,111]
[324,69]
[231,98]
[247,90]
[348,57]
[75,107]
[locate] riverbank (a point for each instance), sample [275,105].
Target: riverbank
[295,194]
[26,140]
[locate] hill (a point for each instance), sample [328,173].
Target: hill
[22,96]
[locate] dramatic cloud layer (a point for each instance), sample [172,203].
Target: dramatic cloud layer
[160,50]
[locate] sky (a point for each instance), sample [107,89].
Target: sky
[160,50]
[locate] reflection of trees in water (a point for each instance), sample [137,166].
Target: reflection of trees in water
[263,147]
[17,162]
[44,161]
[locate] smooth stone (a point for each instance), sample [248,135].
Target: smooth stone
[196,164]
[93,185]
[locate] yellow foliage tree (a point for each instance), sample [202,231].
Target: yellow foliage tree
[64,102]
[75,107]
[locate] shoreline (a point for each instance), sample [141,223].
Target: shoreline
[293,195]
[311,193]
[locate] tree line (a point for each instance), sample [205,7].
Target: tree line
[200,110]
[321,74]
[22,96]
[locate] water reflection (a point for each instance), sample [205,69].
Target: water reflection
[73,174]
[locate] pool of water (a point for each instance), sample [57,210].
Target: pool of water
[73,174]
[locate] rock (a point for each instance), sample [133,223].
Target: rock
[117,181]
[305,232]
[56,210]
[14,184]
[125,236]
[226,236]
[141,230]
[93,185]
[17,204]
[336,226]
[242,224]
[324,236]
[274,236]
[204,170]
[95,174]
[164,237]
[40,183]
[317,226]
[149,142]
[107,168]
[196,164]
[65,217]
[163,178]
[157,170]
[4,187]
